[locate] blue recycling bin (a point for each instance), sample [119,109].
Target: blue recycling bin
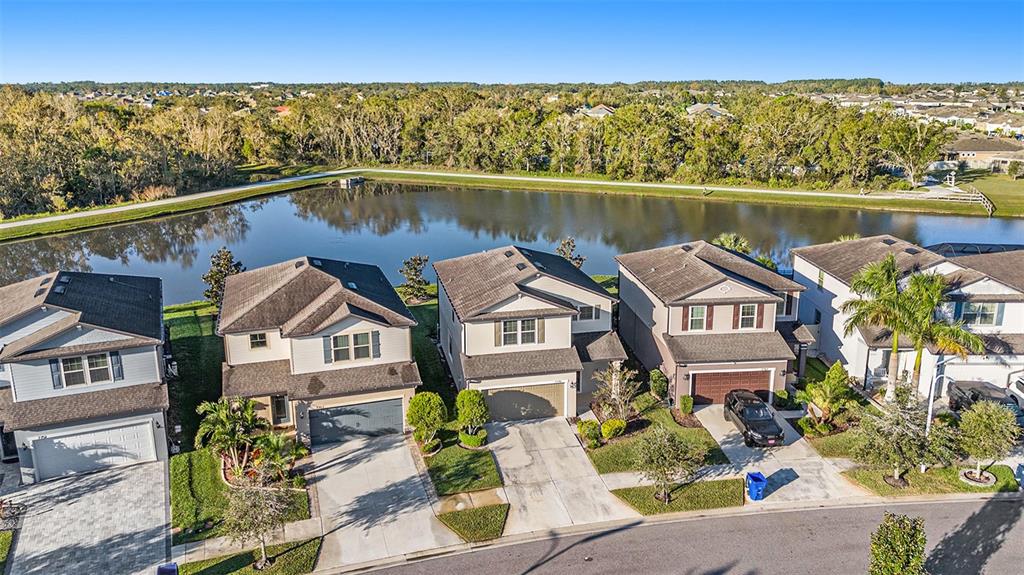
[756,483]
[167,569]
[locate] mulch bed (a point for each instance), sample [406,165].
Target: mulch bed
[685,419]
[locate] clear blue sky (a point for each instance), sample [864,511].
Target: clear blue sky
[491,41]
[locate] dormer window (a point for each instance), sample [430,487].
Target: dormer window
[257,341]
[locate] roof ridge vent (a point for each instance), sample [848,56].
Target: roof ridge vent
[509,253]
[299,263]
[912,251]
[520,266]
[64,279]
[889,241]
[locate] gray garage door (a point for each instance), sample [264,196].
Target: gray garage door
[526,402]
[334,424]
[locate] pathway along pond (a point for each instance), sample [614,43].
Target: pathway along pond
[386,223]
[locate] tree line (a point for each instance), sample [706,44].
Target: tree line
[58,153]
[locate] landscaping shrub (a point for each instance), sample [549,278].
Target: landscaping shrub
[471,410]
[823,428]
[612,428]
[658,383]
[473,439]
[686,404]
[807,426]
[431,446]
[897,547]
[427,414]
[590,432]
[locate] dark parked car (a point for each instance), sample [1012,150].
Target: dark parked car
[754,418]
[964,394]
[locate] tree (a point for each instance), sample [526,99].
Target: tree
[415,286]
[988,431]
[881,303]
[897,546]
[567,249]
[471,410]
[911,145]
[277,454]
[665,458]
[767,261]
[1015,169]
[831,395]
[926,293]
[616,388]
[658,383]
[733,242]
[848,237]
[427,414]
[253,512]
[229,426]
[222,265]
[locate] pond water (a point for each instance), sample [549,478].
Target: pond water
[386,223]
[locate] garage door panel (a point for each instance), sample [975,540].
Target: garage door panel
[61,455]
[335,424]
[712,387]
[526,402]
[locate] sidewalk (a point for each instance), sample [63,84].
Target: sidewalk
[221,546]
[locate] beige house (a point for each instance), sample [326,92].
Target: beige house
[324,346]
[526,327]
[978,152]
[712,320]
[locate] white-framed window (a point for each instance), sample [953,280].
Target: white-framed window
[782,309]
[980,313]
[821,279]
[351,346]
[528,331]
[84,370]
[698,318]
[515,332]
[587,312]
[748,316]
[257,340]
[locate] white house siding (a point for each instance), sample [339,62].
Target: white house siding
[32,379]
[480,337]
[578,296]
[568,379]
[307,353]
[645,305]
[832,343]
[237,351]
[450,333]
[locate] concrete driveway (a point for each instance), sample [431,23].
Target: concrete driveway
[373,503]
[795,471]
[549,481]
[114,521]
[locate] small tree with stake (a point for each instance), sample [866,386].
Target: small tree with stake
[665,458]
[567,249]
[616,388]
[222,265]
[415,286]
[988,431]
[897,546]
[253,512]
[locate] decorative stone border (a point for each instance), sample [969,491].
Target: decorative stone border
[988,478]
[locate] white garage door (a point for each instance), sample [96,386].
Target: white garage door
[55,456]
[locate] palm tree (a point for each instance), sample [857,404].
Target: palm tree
[848,237]
[229,426]
[881,304]
[832,395]
[767,261]
[926,292]
[732,241]
[278,453]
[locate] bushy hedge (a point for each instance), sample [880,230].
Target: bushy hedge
[612,428]
[659,383]
[473,439]
[686,404]
[590,431]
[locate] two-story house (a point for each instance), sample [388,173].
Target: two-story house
[986,293]
[526,327]
[712,320]
[323,346]
[81,373]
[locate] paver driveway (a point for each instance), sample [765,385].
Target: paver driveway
[373,503]
[549,481]
[114,521]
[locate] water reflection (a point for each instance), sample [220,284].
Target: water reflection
[385,223]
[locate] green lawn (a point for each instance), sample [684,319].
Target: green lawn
[1007,194]
[815,370]
[619,455]
[838,445]
[198,495]
[610,283]
[478,524]
[288,559]
[6,538]
[696,496]
[432,372]
[458,470]
[199,353]
[934,481]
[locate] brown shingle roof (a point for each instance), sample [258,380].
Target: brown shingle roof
[976,144]
[306,295]
[478,281]
[794,332]
[70,407]
[275,377]
[716,347]
[843,260]
[673,273]
[598,346]
[517,363]
[1004,267]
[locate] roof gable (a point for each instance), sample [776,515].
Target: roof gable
[843,260]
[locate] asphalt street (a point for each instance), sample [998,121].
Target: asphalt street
[963,537]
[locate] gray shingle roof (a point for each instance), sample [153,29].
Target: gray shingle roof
[598,346]
[275,377]
[673,273]
[1004,267]
[518,363]
[720,347]
[306,295]
[478,281]
[842,260]
[978,144]
[794,332]
[70,407]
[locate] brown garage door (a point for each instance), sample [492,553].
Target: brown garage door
[712,387]
[526,402]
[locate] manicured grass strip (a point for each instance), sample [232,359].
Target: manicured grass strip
[609,283]
[479,524]
[838,445]
[424,351]
[296,558]
[815,369]
[199,353]
[189,309]
[458,470]
[696,496]
[934,481]
[6,538]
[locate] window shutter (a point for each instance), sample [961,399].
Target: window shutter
[760,315]
[375,339]
[736,316]
[116,366]
[497,334]
[58,383]
[328,352]
[540,330]
[686,318]
[999,313]
[958,310]
[709,321]
[597,311]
